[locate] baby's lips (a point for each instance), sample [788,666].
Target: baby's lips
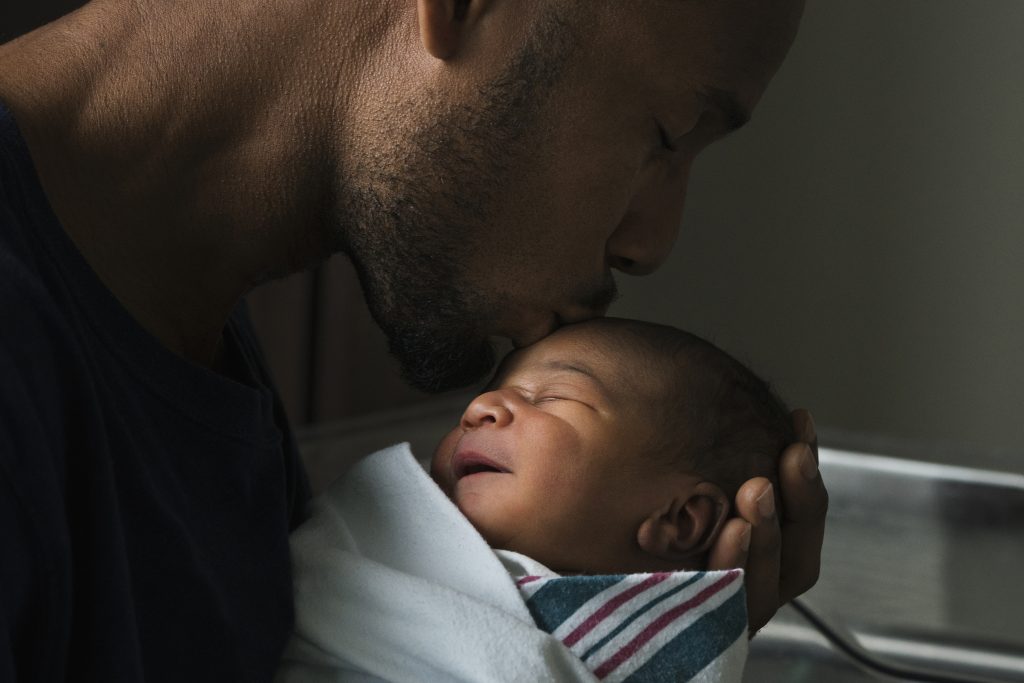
[468,461]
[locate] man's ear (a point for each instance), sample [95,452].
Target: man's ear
[687,527]
[443,24]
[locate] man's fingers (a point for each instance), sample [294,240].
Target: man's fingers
[803,427]
[731,546]
[784,555]
[755,503]
[805,502]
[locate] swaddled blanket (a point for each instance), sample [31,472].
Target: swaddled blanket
[639,628]
[392,583]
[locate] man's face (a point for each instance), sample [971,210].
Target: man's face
[553,460]
[503,212]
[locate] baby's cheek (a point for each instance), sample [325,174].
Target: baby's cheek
[440,462]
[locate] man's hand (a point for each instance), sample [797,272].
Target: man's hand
[782,557]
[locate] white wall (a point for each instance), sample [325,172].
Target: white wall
[861,243]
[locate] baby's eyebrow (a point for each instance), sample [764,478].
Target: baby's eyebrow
[556,364]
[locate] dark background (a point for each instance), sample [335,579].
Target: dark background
[19,16]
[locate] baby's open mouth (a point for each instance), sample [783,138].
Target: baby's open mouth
[467,464]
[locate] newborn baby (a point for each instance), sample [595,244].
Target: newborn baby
[601,462]
[612,446]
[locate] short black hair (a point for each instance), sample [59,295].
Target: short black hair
[716,417]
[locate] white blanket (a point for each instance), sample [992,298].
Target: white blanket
[392,583]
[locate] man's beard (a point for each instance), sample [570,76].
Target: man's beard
[412,214]
[415,290]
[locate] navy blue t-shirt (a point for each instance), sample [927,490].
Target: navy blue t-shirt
[145,501]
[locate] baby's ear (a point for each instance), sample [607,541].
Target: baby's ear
[687,527]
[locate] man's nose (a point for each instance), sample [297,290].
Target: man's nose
[645,236]
[494,408]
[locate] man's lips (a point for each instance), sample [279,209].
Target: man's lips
[467,463]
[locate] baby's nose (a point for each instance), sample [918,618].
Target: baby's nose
[487,409]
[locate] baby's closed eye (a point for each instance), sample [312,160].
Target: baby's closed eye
[554,396]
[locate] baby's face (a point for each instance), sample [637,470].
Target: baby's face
[551,461]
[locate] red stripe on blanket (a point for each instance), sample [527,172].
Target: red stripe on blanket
[607,608]
[527,579]
[659,624]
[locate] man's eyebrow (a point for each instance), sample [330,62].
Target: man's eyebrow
[734,114]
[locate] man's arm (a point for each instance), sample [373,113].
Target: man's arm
[782,556]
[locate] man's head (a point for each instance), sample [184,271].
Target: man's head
[484,163]
[513,153]
[611,446]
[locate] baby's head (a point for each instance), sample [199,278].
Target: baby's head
[612,446]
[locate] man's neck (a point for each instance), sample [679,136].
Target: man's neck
[185,155]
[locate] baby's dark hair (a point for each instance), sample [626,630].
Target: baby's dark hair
[720,419]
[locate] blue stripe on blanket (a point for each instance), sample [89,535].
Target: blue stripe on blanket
[688,653]
[639,613]
[558,600]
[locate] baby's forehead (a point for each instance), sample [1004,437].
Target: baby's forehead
[620,360]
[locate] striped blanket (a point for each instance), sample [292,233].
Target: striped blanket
[644,627]
[392,583]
